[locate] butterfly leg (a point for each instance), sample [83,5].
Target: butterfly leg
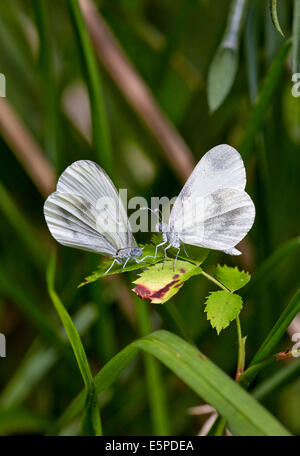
[159,245]
[165,252]
[142,259]
[174,264]
[185,251]
[115,261]
[125,263]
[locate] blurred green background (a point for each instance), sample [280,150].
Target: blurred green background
[45,125]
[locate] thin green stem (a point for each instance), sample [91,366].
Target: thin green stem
[215,281]
[241,349]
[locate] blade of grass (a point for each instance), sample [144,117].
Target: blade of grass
[276,380]
[266,269]
[20,421]
[38,361]
[263,101]
[271,340]
[30,307]
[242,412]
[296,38]
[48,83]
[251,43]
[91,421]
[101,137]
[156,391]
[21,226]
[278,329]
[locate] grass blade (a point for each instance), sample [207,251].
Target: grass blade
[156,391]
[101,137]
[278,329]
[75,341]
[243,413]
[38,361]
[282,376]
[27,234]
[263,101]
[296,38]
[48,81]
[30,307]
[269,265]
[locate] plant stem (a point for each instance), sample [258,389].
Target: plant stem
[241,349]
[215,281]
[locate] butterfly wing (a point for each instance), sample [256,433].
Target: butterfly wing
[86,211]
[225,218]
[213,210]
[221,167]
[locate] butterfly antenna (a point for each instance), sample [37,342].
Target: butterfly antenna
[154,211]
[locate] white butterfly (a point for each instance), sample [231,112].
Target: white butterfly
[212,210]
[86,212]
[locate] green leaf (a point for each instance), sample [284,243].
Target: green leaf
[224,66]
[161,282]
[274,15]
[221,77]
[222,307]
[148,250]
[243,413]
[26,231]
[232,278]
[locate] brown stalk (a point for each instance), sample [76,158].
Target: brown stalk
[27,151]
[136,91]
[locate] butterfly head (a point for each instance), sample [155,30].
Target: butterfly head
[161,227]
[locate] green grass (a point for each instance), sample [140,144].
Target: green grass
[75,352]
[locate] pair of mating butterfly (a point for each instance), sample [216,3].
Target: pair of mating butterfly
[223,218]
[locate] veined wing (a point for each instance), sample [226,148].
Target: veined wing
[224,219]
[72,222]
[88,197]
[221,167]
